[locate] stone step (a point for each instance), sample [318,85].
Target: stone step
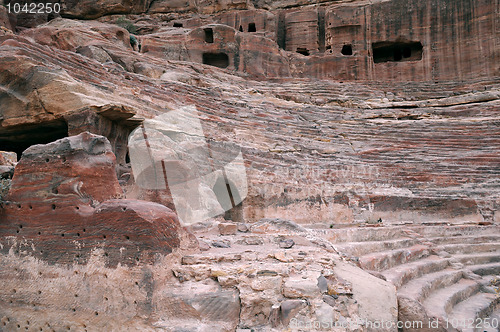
[485,269]
[474,259]
[441,302]
[362,248]
[464,239]
[419,289]
[469,315]
[466,248]
[428,232]
[457,231]
[362,234]
[402,274]
[384,260]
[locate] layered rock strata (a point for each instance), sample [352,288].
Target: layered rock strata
[356,152]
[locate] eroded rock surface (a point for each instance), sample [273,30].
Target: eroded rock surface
[369,129]
[63,206]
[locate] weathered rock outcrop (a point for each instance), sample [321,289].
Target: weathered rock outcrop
[62,207]
[367,122]
[243,281]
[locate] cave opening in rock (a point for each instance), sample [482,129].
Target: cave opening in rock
[346,50]
[240,29]
[220,60]
[397,51]
[303,51]
[209,35]
[178,25]
[19,138]
[252,27]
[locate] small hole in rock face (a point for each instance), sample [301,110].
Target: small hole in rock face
[346,50]
[127,237]
[17,231]
[240,29]
[31,207]
[39,233]
[106,254]
[124,208]
[77,207]
[53,206]
[104,236]
[47,160]
[39,292]
[209,35]
[135,302]
[96,313]
[77,234]
[20,226]
[14,291]
[137,258]
[251,27]
[177,25]
[136,283]
[62,234]
[84,230]
[73,311]
[303,51]
[105,298]
[19,206]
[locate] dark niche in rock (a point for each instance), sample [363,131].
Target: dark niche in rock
[303,51]
[346,50]
[220,60]
[397,51]
[19,138]
[209,35]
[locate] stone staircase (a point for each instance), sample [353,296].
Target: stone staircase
[451,271]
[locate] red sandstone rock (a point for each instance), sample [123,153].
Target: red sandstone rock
[77,168]
[227,228]
[8,158]
[53,207]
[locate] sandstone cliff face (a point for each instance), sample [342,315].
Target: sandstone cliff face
[346,145]
[352,118]
[387,40]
